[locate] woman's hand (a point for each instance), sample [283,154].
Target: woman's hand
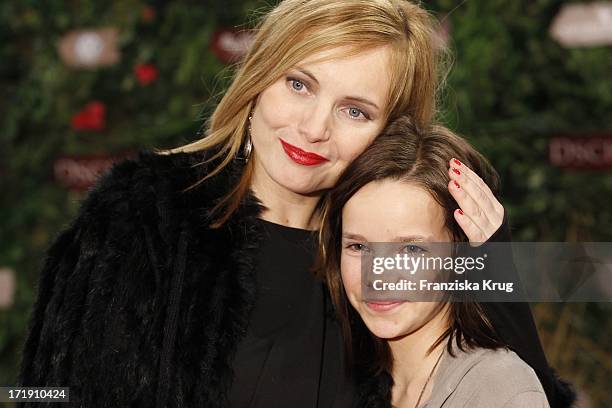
[479,213]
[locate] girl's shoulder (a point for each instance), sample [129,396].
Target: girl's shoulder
[504,366]
[488,378]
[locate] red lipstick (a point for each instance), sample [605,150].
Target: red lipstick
[301,156]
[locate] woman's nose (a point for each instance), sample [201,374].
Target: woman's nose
[314,124]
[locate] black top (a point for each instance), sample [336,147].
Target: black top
[280,359]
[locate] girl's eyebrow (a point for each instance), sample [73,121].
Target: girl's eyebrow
[406,238]
[411,238]
[350,235]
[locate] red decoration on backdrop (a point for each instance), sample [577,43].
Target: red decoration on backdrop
[581,152]
[92,117]
[146,74]
[230,45]
[79,173]
[148,13]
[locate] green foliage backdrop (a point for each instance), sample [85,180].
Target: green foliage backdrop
[510,90]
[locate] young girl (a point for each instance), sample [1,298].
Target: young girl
[439,354]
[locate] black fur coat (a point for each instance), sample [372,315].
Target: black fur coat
[140,303]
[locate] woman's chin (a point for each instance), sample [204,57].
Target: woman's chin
[299,184]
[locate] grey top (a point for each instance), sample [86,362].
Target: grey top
[483,378]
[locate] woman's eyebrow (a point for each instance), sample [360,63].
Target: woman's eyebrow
[359,99]
[308,74]
[362,100]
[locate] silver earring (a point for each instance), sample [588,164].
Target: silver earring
[248,146]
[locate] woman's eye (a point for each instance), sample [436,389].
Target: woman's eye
[356,113]
[413,249]
[297,85]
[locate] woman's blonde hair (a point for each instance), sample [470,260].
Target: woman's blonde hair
[297,29]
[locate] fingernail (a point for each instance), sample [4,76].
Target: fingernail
[457,172]
[456,184]
[457,162]
[460,211]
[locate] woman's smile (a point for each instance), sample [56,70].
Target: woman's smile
[302,157]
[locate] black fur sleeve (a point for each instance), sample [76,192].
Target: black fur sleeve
[98,299]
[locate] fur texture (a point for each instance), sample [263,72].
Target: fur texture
[139,303]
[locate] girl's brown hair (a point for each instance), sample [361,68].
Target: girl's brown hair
[296,29]
[404,152]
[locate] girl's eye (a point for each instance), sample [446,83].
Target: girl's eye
[357,247]
[356,113]
[413,249]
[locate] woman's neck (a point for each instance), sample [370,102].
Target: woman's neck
[413,364]
[283,206]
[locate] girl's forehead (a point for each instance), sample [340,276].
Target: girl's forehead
[392,210]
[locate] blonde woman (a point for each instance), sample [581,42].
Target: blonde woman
[185,278]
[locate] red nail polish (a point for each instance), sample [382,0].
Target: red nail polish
[460,211]
[456,184]
[457,172]
[457,162]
